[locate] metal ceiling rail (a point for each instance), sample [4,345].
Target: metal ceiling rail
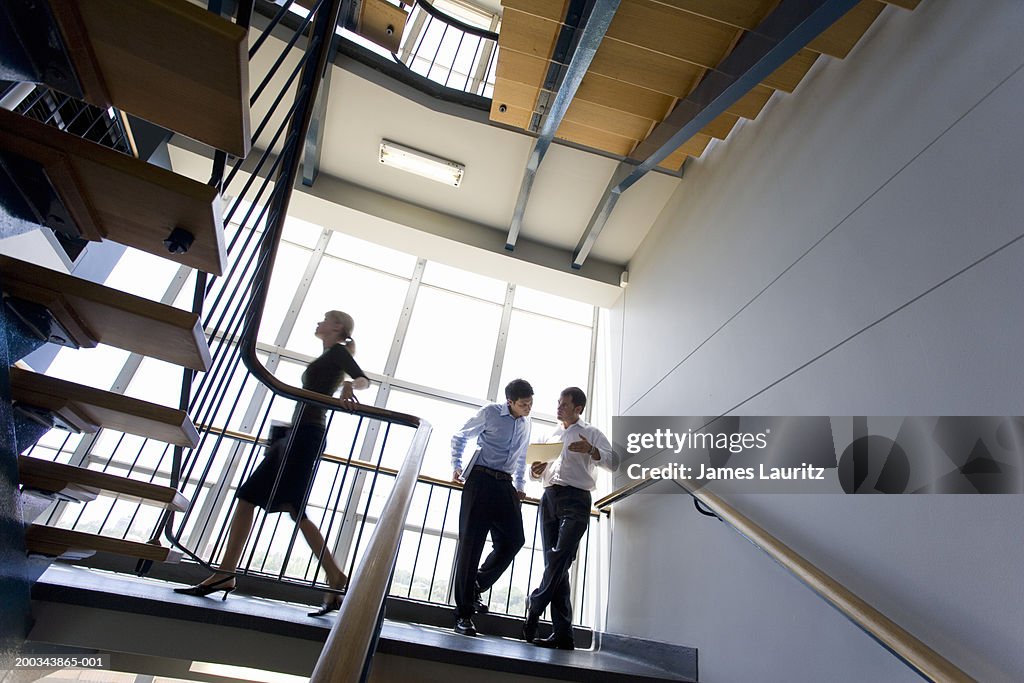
[783,33]
[596,25]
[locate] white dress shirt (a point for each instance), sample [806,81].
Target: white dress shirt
[577,469]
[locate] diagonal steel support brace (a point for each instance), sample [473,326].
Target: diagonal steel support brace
[783,33]
[600,17]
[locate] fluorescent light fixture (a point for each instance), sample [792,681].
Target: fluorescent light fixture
[244,673]
[421,163]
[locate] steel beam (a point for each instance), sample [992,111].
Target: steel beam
[313,147]
[783,33]
[596,25]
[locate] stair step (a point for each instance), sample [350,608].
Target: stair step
[113,196]
[89,409]
[93,313]
[167,61]
[381,22]
[54,542]
[83,485]
[378,21]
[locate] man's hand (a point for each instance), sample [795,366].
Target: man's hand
[457,476]
[537,469]
[522,495]
[584,446]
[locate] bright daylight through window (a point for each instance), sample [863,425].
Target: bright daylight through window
[436,341]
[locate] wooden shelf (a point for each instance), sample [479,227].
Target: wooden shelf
[83,485]
[89,409]
[167,61]
[113,196]
[94,313]
[54,542]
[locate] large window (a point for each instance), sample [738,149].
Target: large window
[436,342]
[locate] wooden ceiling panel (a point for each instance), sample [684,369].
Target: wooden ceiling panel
[789,75]
[553,10]
[745,14]
[654,54]
[592,137]
[645,68]
[515,66]
[721,126]
[839,39]
[626,97]
[617,122]
[678,34]
[514,94]
[693,147]
[512,116]
[528,34]
[751,104]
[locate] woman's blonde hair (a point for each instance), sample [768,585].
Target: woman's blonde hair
[348,326]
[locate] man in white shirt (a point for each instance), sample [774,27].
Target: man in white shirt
[565,514]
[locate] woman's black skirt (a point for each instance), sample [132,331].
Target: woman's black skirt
[299,465]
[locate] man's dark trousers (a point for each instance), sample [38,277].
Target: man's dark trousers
[564,518]
[490,503]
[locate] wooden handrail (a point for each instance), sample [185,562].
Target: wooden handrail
[349,644]
[258,370]
[364,465]
[911,651]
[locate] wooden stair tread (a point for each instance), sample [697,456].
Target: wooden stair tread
[114,196]
[89,409]
[48,540]
[167,61]
[56,477]
[94,313]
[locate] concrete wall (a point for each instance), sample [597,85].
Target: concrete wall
[851,252]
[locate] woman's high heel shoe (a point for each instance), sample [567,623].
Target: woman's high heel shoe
[332,604]
[203,589]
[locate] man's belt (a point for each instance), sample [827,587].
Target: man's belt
[497,474]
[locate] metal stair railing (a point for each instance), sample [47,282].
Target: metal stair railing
[923,660]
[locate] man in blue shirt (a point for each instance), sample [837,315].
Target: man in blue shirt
[495,481]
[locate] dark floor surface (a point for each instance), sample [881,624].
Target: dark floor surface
[608,661]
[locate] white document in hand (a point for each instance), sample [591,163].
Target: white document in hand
[543,452]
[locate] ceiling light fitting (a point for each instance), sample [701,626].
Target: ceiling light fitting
[422,164]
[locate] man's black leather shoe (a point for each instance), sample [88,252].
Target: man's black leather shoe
[530,628]
[465,627]
[556,642]
[481,606]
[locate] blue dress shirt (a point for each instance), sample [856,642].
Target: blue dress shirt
[501,442]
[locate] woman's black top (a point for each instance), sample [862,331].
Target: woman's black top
[295,455]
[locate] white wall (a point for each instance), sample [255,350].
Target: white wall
[812,231]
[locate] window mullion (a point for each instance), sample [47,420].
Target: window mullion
[499,349]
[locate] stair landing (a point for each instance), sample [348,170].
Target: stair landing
[67,590]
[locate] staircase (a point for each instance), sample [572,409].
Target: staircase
[183,68]
[186,69]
